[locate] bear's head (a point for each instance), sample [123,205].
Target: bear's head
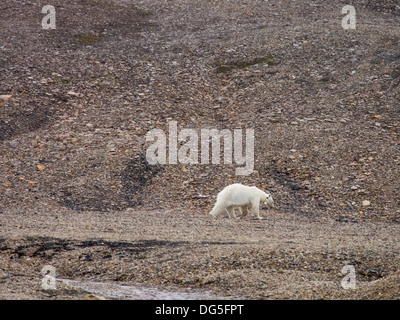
[268,200]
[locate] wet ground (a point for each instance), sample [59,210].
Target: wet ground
[116,291]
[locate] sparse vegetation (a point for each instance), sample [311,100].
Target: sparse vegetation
[87,39]
[223,67]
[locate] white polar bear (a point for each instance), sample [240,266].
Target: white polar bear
[242,197]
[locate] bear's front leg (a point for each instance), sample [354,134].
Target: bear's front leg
[231,212]
[256,209]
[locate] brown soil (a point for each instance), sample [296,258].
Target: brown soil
[77,193]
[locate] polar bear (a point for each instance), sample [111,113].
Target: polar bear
[242,197]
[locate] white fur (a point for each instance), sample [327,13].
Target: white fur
[242,197]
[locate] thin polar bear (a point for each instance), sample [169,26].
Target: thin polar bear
[242,197]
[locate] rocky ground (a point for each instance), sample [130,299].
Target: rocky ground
[283,256]
[77,193]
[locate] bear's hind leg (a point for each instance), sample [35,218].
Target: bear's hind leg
[244,210]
